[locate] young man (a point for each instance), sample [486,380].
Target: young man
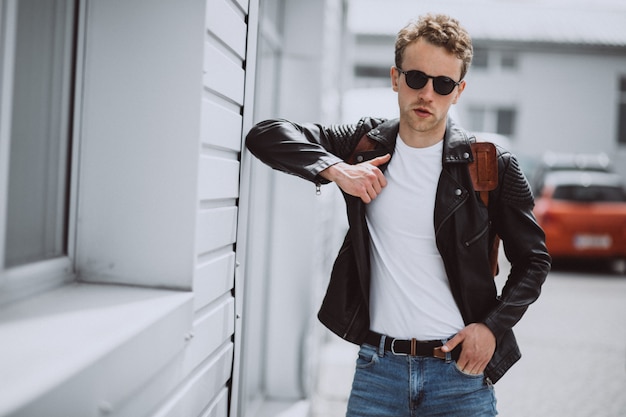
[412,284]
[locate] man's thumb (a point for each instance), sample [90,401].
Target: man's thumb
[380,160]
[451,344]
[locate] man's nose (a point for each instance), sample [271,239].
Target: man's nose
[428,90]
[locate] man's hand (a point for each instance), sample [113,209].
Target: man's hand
[363,180]
[479,344]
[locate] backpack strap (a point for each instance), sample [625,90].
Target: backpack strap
[484,169]
[484,173]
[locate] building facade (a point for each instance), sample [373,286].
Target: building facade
[120,142]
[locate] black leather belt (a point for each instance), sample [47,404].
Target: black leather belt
[412,347]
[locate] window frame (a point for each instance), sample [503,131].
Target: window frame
[21,281]
[91,305]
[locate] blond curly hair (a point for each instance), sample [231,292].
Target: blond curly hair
[440,30]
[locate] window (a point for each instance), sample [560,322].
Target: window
[505,119]
[371,71]
[371,76]
[39,132]
[499,120]
[477,119]
[621,122]
[494,60]
[481,58]
[593,193]
[508,60]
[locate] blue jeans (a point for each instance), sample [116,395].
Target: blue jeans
[403,386]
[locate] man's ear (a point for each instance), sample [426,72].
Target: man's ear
[393,73]
[458,92]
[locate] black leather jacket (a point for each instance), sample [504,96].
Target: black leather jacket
[464,229]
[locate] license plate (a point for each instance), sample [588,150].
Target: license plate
[592,242]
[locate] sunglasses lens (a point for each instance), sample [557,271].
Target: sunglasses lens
[416,79]
[443,85]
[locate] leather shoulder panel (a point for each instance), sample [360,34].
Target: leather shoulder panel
[515,189]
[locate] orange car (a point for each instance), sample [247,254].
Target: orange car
[583,214]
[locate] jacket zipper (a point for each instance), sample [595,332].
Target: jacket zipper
[445,219]
[476,238]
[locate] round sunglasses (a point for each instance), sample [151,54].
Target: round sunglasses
[417,79]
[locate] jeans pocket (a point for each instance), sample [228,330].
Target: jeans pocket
[465,374]
[367,357]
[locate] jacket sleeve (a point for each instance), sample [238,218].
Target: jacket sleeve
[524,245]
[304,150]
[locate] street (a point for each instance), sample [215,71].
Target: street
[573,342]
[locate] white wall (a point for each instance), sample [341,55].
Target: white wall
[139,142]
[293,234]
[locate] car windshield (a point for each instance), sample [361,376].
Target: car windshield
[589,194]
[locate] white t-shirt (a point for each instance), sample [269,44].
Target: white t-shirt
[410,293]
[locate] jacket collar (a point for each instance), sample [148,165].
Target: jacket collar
[456,141]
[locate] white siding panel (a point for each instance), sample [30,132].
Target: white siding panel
[219,178]
[221,127]
[211,330]
[203,390]
[216,229]
[219,408]
[243,4]
[210,352]
[223,21]
[223,75]
[213,279]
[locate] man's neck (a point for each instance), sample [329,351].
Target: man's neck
[416,139]
[422,138]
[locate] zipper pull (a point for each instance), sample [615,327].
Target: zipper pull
[318,188]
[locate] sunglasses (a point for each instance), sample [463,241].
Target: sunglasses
[417,79]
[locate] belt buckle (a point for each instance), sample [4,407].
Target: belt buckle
[393,350]
[413,348]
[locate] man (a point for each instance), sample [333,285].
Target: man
[412,283]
